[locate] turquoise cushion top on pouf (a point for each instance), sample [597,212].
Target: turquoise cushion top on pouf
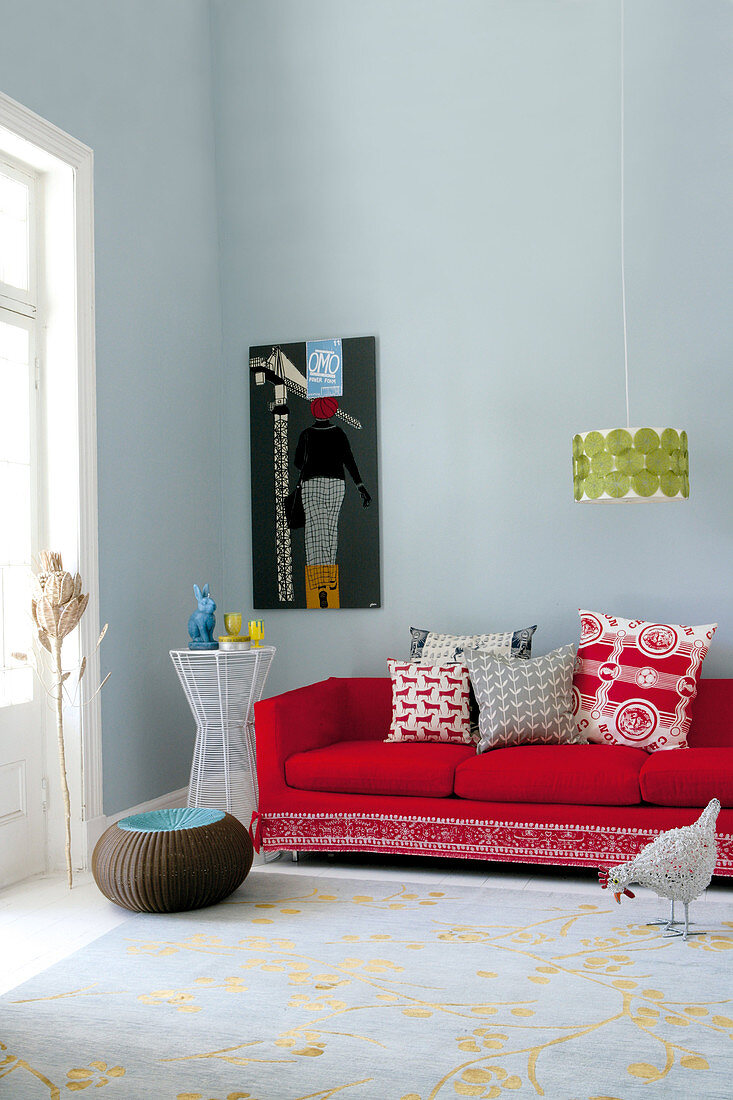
[165,821]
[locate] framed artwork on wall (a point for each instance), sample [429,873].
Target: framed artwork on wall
[315,494]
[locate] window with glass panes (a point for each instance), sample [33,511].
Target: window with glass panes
[18,403]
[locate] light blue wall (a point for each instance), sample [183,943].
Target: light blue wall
[444,174]
[133,81]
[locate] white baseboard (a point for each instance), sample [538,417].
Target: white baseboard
[97,825]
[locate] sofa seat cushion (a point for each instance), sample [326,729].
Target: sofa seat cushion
[593,775]
[688,777]
[378,767]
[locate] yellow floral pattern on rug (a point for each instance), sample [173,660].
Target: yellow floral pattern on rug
[95,1073]
[509,1001]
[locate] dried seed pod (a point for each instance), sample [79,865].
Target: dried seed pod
[58,603]
[59,588]
[42,580]
[70,615]
[47,617]
[50,561]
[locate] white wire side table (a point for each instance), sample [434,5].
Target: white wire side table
[222,687]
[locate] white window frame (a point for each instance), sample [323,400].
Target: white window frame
[21,319]
[23,308]
[67,166]
[15,298]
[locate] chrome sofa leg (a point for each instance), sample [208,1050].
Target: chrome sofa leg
[295,857]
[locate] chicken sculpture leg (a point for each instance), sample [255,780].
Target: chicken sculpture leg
[677,865]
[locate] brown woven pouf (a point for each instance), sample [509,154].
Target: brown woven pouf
[166,861]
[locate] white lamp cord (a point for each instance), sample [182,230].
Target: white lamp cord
[623,219]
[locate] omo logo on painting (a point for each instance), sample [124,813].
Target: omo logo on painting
[324,365]
[325,368]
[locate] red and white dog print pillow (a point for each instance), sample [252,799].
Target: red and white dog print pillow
[635,681]
[429,703]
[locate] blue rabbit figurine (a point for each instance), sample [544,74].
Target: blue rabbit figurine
[201,624]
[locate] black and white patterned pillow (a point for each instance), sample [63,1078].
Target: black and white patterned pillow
[429,647]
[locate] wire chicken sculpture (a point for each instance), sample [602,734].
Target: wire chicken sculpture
[677,865]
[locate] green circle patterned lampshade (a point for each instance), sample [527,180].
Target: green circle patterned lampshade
[624,464]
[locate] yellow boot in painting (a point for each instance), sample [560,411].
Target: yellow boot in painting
[322,587]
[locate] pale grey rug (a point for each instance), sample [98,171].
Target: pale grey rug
[316,988]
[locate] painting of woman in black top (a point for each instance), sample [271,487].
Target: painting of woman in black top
[322,449]
[323,457]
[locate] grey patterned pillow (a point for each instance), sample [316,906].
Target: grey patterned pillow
[524,702]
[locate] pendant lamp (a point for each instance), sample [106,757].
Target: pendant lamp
[615,465]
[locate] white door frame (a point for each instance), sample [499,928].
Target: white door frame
[26,135]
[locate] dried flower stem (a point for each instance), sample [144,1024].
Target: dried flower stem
[56,644]
[57,607]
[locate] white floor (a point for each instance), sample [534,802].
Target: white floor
[41,921]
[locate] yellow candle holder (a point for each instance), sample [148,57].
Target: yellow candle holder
[256,629]
[233,623]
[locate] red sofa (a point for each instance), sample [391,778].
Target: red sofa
[329,782]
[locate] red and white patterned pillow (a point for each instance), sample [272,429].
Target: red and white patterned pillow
[429,703]
[635,682]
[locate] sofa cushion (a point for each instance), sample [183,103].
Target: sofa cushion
[635,682]
[428,647]
[524,702]
[429,703]
[378,767]
[593,775]
[689,778]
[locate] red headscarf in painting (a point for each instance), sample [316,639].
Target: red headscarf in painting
[323,408]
